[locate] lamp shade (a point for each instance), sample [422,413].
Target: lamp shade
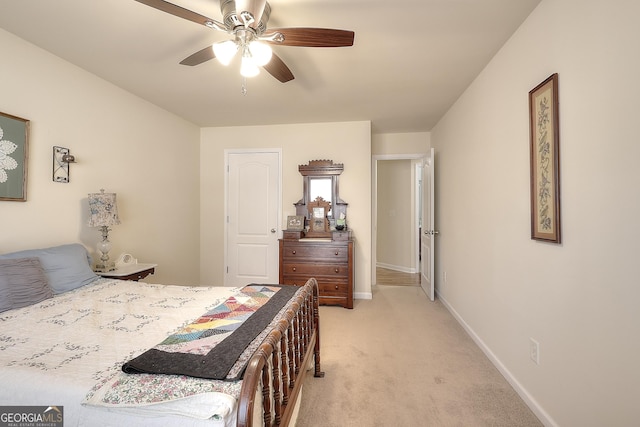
[103,209]
[260,52]
[225,51]
[248,68]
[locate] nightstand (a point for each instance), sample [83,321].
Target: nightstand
[133,272]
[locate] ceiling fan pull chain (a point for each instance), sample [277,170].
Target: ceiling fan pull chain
[243,89]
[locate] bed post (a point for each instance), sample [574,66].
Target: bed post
[277,369]
[316,321]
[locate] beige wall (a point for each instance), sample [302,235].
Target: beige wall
[348,143]
[401,143]
[579,300]
[395,238]
[122,144]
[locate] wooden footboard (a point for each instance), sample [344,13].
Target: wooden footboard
[277,369]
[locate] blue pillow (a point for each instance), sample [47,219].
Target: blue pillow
[22,283]
[67,267]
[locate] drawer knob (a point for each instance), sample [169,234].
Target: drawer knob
[294,269]
[337,287]
[337,253]
[337,270]
[293,252]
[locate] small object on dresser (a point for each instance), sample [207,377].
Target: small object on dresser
[295,223]
[319,224]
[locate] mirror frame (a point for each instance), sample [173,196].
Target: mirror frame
[321,169]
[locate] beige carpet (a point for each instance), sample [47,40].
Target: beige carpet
[401,360]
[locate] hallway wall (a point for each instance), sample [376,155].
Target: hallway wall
[395,215]
[578,299]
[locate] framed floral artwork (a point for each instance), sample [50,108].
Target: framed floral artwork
[14,142]
[545,161]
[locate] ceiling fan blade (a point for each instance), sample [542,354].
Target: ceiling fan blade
[312,37]
[254,7]
[181,12]
[278,69]
[199,57]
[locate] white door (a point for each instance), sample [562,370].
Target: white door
[427,281]
[253,217]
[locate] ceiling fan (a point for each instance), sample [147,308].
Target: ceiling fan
[247,21]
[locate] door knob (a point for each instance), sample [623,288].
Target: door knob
[273,230]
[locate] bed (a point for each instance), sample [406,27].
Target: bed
[110,352]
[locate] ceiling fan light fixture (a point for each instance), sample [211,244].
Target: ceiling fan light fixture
[225,51]
[246,21]
[260,52]
[248,67]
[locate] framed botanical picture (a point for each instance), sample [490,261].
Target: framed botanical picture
[545,161]
[295,222]
[318,212]
[14,143]
[318,222]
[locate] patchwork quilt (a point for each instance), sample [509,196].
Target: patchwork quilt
[209,346]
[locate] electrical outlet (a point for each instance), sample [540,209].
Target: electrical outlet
[534,351]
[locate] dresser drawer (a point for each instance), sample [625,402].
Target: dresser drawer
[334,289]
[326,288]
[316,270]
[320,252]
[296,280]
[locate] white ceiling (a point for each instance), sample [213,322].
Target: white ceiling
[410,61]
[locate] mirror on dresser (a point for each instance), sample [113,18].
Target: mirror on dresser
[324,249]
[321,179]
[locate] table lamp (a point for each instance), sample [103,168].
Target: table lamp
[103,213]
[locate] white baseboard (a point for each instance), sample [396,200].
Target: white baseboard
[362,295]
[396,268]
[542,415]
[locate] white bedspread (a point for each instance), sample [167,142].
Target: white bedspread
[55,352]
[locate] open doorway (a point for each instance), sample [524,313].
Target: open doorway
[396,218]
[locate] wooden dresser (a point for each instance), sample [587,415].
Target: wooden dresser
[329,261]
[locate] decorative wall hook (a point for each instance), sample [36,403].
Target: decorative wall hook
[61,160]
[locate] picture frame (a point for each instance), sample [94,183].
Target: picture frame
[14,145]
[544,146]
[295,222]
[318,220]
